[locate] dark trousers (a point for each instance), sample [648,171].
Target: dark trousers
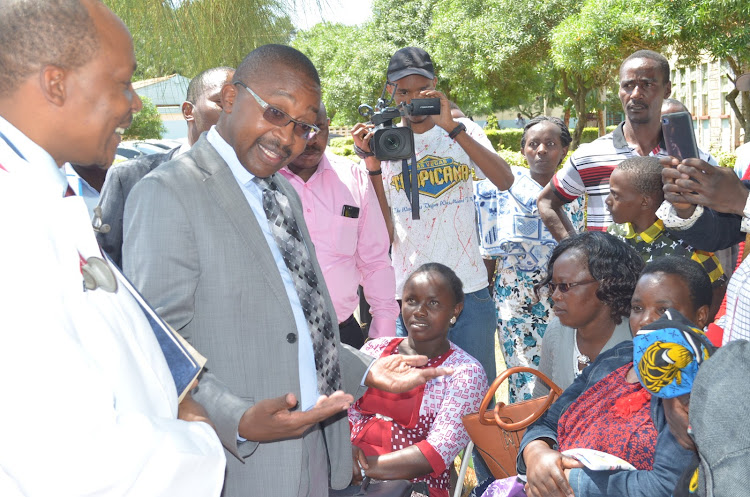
[351,333]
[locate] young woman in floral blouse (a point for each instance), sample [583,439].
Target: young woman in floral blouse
[417,434]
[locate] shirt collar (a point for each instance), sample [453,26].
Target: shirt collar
[242,175]
[619,141]
[41,164]
[650,234]
[183,148]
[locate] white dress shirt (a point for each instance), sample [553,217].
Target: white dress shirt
[308,378]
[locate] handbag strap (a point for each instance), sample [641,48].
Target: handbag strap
[555,392]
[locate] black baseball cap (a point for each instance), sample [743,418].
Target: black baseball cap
[743,82]
[408,61]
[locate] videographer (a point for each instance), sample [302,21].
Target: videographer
[438,223]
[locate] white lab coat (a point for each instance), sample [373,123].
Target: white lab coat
[88,404]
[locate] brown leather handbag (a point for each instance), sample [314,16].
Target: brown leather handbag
[497,434]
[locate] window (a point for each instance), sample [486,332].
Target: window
[694,98]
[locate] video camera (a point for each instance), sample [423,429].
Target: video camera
[388,141]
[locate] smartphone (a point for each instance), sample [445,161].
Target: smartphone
[679,137]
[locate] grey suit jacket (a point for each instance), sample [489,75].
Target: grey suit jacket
[121,178]
[193,247]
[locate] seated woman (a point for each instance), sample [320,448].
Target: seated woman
[590,277]
[608,409]
[416,435]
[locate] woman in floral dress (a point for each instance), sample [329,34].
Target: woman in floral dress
[512,232]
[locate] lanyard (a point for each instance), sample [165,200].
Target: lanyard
[411,178]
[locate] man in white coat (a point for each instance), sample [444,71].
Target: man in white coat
[85,378]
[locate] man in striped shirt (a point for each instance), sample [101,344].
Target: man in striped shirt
[644,84]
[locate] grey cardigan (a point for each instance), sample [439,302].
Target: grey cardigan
[557,353]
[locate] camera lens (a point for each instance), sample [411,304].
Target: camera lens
[392,142]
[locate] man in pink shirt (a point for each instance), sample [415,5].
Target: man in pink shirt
[348,230]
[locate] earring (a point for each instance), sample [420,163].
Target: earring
[453,320]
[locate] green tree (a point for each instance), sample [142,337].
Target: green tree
[501,54]
[720,29]
[589,46]
[189,36]
[351,62]
[146,123]
[504,47]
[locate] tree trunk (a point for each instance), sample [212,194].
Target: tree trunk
[580,106]
[742,115]
[600,122]
[578,95]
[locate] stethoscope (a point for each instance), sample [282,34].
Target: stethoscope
[96,271]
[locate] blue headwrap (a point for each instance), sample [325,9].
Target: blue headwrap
[667,353]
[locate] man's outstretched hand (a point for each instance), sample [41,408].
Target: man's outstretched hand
[398,373]
[696,182]
[272,419]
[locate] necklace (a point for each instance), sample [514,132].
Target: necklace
[578,358]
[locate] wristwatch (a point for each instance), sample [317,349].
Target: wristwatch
[457,130]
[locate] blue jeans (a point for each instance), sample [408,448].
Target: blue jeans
[474,330]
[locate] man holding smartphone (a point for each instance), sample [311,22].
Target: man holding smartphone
[709,207]
[644,84]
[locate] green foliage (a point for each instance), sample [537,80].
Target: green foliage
[351,62]
[188,36]
[724,158]
[512,157]
[589,135]
[491,123]
[343,146]
[494,137]
[146,124]
[501,54]
[342,141]
[345,151]
[509,138]
[503,47]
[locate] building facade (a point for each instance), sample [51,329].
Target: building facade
[703,89]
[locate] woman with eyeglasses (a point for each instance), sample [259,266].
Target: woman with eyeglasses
[590,278]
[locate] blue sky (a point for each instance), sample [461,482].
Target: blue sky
[307,13]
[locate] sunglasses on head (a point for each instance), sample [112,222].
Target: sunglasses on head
[279,118]
[564,287]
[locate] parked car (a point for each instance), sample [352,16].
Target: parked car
[128,151]
[166,143]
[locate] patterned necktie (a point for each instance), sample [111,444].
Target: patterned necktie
[297,258]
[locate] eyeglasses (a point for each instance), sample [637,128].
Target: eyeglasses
[279,118]
[564,287]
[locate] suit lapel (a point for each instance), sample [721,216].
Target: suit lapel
[228,195]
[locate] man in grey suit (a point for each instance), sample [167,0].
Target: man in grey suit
[200,248]
[201,110]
